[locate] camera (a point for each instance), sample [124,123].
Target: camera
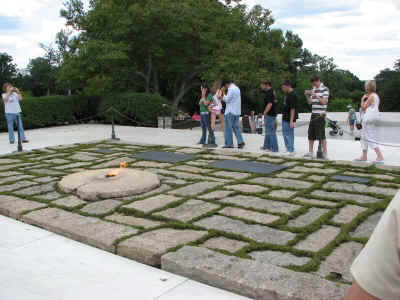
[358,125]
[308,92]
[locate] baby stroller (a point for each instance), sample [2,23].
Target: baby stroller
[336,129]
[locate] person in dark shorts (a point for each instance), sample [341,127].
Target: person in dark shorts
[318,98]
[289,116]
[270,140]
[247,124]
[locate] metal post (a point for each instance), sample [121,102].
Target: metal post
[113,136]
[19,149]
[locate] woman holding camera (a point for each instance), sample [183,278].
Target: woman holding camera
[205,101]
[11,98]
[370,113]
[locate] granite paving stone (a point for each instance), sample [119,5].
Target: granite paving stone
[83,157]
[175,181]
[133,221]
[13,206]
[191,169]
[233,175]
[282,182]
[47,172]
[360,188]
[70,202]
[4,161]
[271,160]
[189,150]
[248,277]
[45,179]
[92,231]
[101,207]
[286,194]
[148,247]
[390,184]
[73,165]
[49,196]
[341,260]
[308,218]
[58,161]
[279,258]
[216,195]
[357,164]
[199,162]
[189,176]
[12,179]
[289,175]
[37,189]
[259,233]
[259,203]
[194,189]
[17,185]
[320,239]
[343,196]
[188,211]
[316,178]
[314,170]
[223,243]
[388,168]
[9,173]
[162,188]
[348,213]
[247,188]
[249,215]
[151,164]
[152,203]
[315,201]
[365,229]
[377,176]
[114,163]
[314,165]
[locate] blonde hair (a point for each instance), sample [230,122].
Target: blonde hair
[216,86]
[5,85]
[370,86]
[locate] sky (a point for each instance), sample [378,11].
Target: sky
[362,36]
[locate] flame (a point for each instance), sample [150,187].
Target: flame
[116,172]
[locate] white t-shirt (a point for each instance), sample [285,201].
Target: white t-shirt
[377,268]
[12,105]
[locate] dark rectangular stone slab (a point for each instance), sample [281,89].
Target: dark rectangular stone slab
[163,156]
[105,151]
[247,166]
[350,178]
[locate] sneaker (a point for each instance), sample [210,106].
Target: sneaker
[241,145]
[227,147]
[266,150]
[308,155]
[25,141]
[325,157]
[12,142]
[292,154]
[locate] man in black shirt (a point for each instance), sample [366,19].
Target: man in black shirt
[270,140]
[289,116]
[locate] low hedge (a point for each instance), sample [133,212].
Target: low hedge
[38,112]
[138,109]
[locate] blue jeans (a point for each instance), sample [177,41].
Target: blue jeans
[270,140]
[206,125]
[11,119]
[232,124]
[288,136]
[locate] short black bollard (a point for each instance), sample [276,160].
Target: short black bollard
[19,149]
[113,136]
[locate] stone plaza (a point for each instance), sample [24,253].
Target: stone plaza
[291,234]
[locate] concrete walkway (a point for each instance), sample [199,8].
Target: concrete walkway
[38,265]
[338,149]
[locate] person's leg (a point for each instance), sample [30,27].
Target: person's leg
[21,128]
[213,119]
[379,156]
[364,146]
[211,136]
[273,137]
[324,148]
[266,145]
[291,139]
[228,131]
[10,125]
[285,134]
[222,120]
[236,129]
[203,125]
[357,293]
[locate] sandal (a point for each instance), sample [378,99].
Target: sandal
[379,162]
[359,159]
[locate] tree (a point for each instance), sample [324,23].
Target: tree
[8,69]
[43,76]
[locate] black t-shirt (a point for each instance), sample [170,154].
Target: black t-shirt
[289,103]
[270,98]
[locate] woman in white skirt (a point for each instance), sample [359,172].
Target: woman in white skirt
[369,114]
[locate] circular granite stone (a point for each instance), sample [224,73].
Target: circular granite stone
[94,185]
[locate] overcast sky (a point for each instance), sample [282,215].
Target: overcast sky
[362,36]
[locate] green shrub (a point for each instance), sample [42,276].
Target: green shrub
[40,112]
[139,109]
[339,104]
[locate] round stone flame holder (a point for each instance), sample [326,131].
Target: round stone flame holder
[94,185]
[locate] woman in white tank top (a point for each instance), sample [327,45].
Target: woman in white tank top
[216,106]
[370,112]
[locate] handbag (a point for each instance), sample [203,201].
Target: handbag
[372,115]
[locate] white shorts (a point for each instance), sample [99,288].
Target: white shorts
[368,139]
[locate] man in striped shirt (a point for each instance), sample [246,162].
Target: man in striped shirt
[318,98]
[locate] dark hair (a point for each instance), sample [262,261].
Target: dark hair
[314,78]
[266,81]
[225,81]
[287,83]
